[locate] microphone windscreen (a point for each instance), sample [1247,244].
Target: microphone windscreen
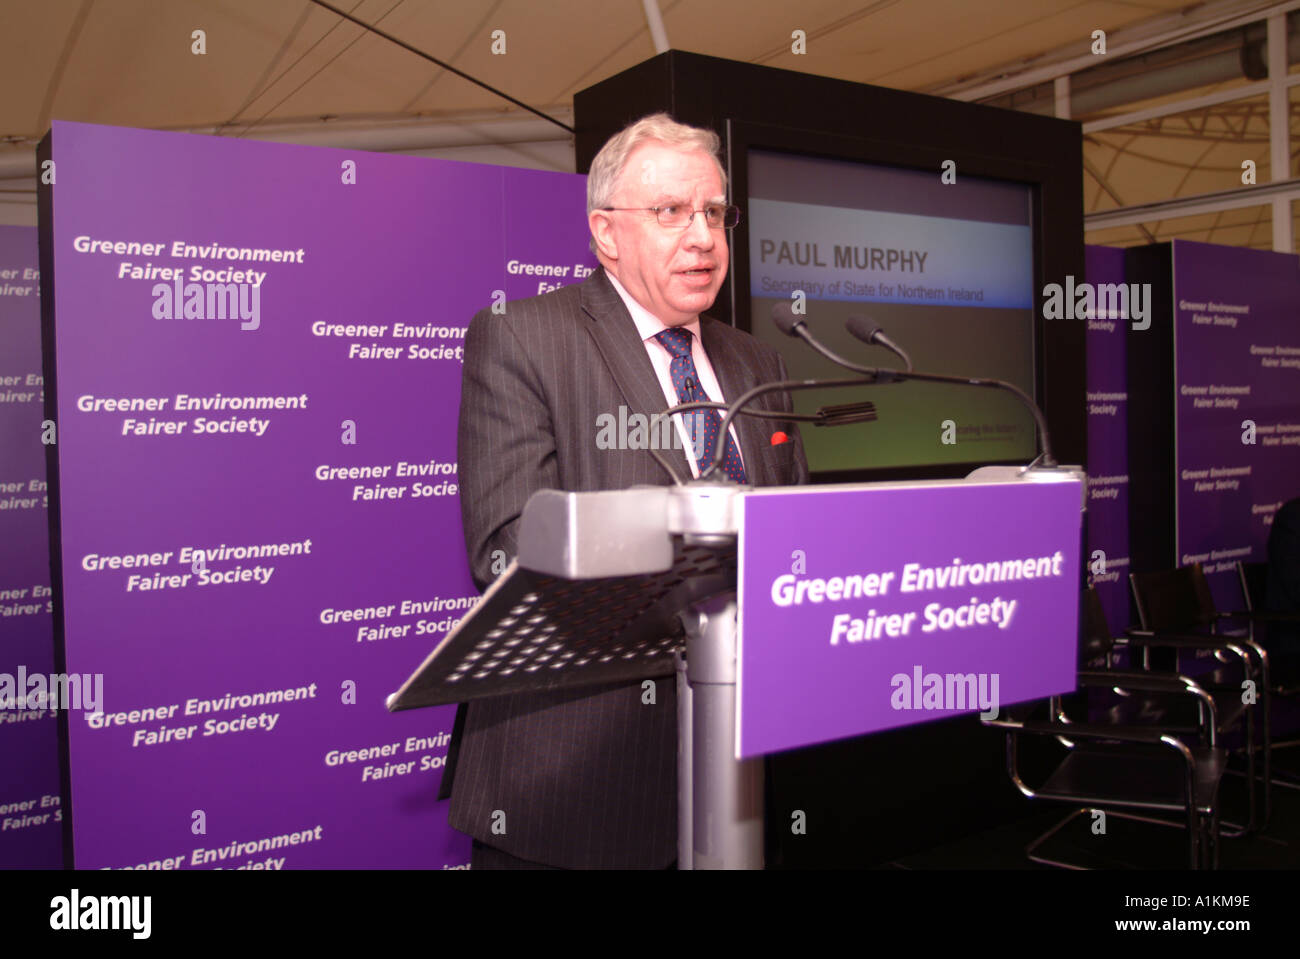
[863,328]
[784,317]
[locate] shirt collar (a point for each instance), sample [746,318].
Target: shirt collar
[647,324]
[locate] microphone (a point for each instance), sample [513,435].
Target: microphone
[845,413]
[785,318]
[789,386]
[869,332]
[788,323]
[826,416]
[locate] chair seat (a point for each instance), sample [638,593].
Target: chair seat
[1135,777]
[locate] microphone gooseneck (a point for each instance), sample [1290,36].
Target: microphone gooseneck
[789,323]
[820,418]
[720,451]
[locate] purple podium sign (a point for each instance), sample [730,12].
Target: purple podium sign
[257,352]
[1108,481]
[869,608]
[1237,363]
[30,807]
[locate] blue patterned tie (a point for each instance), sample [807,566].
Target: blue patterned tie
[686,381]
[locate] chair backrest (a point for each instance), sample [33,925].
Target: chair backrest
[1284,559]
[1174,600]
[1207,610]
[1283,586]
[1095,639]
[1254,579]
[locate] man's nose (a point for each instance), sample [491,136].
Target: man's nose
[698,232]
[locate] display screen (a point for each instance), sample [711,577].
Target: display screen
[943,263]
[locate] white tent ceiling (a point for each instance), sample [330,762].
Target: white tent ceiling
[293,70]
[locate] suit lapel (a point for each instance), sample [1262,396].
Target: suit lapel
[624,353]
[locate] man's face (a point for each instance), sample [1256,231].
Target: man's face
[673,273]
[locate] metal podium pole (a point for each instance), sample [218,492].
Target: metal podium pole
[685,767]
[721,827]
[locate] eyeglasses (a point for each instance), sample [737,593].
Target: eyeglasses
[676,216]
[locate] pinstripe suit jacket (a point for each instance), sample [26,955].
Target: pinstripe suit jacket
[586,778]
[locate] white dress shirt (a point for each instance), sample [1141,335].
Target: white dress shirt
[648,327]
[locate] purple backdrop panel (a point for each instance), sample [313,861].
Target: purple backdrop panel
[1108,549]
[260,523]
[30,834]
[1237,362]
[870,608]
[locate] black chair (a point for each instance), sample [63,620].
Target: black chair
[1273,629]
[1274,625]
[1283,583]
[1130,706]
[1177,614]
[1126,769]
[1254,580]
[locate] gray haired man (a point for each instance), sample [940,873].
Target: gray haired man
[587,778]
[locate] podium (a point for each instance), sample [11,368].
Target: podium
[647,582]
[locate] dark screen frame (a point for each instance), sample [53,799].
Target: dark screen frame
[742,137]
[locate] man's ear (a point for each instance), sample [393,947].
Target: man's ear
[602,232]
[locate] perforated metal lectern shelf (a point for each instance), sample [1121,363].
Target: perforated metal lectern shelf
[535,631]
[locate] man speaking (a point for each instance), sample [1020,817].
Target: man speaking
[587,778]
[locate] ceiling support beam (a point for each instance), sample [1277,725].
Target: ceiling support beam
[1192,23]
[1061,90]
[1279,131]
[1189,105]
[1262,194]
[655,21]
